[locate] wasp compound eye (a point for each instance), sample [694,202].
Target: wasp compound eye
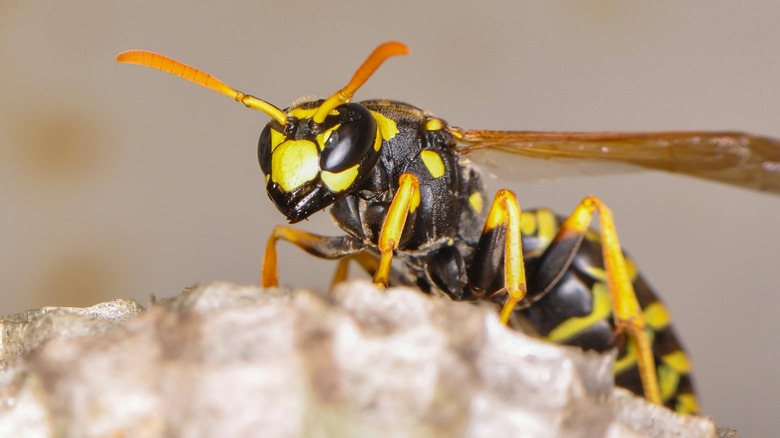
[264,150]
[351,141]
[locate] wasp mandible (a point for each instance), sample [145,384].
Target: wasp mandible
[399,182]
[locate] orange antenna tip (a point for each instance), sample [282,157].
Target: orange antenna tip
[369,66]
[192,74]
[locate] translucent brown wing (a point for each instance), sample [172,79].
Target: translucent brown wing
[732,157]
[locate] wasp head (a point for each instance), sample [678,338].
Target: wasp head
[311,153]
[309,165]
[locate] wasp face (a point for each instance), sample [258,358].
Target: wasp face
[308,165]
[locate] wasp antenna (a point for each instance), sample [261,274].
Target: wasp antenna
[192,74]
[369,66]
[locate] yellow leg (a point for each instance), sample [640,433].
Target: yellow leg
[320,246]
[505,212]
[366,260]
[406,200]
[626,311]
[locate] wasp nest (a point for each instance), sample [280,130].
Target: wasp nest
[225,360]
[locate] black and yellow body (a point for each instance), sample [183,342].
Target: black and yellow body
[400,184]
[576,311]
[439,248]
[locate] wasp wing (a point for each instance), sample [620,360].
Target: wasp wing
[732,157]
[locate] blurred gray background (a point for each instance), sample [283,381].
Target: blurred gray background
[118,181]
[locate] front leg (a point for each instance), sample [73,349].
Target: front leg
[368,261]
[406,200]
[319,246]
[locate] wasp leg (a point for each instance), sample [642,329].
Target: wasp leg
[406,200]
[502,226]
[367,261]
[626,311]
[320,246]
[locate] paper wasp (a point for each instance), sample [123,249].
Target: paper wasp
[400,183]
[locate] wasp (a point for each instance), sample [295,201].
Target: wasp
[401,184]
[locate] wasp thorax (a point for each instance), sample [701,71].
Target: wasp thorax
[309,165]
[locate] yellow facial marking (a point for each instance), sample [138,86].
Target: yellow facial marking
[386,126]
[294,163]
[656,316]
[434,124]
[340,181]
[527,223]
[323,137]
[572,326]
[276,139]
[475,201]
[433,162]
[378,140]
[678,361]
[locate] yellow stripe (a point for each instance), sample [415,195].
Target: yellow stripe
[572,326]
[548,227]
[592,235]
[527,223]
[595,272]
[387,127]
[378,140]
[600,274]
[631,270]
[686,404]
[669,372]
[433,162]
[668,380]
[678,361]
[433,124]
[630,358]
[656,316]
[475,201]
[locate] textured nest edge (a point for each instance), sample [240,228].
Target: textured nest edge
[226,359]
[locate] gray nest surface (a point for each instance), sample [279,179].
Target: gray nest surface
[227,360]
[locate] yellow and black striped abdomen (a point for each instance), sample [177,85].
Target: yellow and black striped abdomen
[577,311]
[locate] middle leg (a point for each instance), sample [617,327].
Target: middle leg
[500,244]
